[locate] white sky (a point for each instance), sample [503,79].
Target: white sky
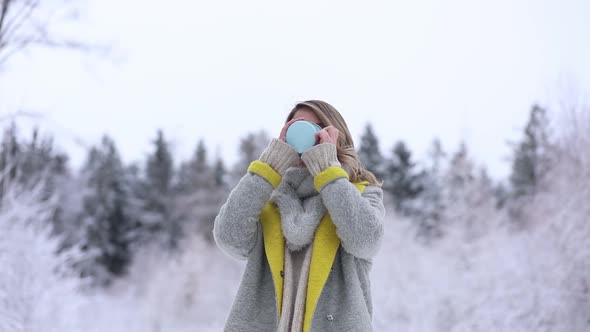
[458,70]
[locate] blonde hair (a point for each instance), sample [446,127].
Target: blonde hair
[346,152]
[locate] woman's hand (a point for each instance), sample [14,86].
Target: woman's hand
[328,135]
[283,135]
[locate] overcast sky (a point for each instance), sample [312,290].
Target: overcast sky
[458,70]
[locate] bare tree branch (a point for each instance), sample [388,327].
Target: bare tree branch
[25,23]
[4,56]
[19,18]
[20,114]
[3,14]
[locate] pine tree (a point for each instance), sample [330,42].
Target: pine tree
[202,173]
[370,153]
[202,190]
[109,230]
[40,160]
[34,165]
[10,153]
[250,148]
[427,209]
[460,171]
[220,173]
[402,180]
[159,168]
[159,215]
[437,156]
[146,230]
[468,196]
[531,161]
[197,173]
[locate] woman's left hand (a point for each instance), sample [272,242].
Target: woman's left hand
[328,135]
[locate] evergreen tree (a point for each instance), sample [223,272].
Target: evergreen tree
[33,165]
[531,156]
[427,208]
[202,191]
[202,173]
[370,153]
[467,196]
[109,229]
[10,153]
[502,195]
[158,218]
[250,148]
[219,173]
[159,167]
[197,173]
[40,160]
[437,156]
[146,227]
[403,182]
[460,171]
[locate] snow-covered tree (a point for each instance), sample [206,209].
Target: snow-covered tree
[33,162]
[402,180]
[468,196]
[426,209]
[29,161]
[160,166]
[197,173]
[202,192]
[437,156]
[38,288]
[159,196]
[370,153]
[501,280]
[251,147]
[108,225]
[220,173]
[531,156]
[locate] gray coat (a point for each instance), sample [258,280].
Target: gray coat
[357,212]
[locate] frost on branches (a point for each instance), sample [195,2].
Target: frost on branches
[484,274]
[37,292]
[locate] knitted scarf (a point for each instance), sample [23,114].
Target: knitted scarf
[300,206]
[301,209]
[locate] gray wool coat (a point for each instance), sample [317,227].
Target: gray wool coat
[357,212]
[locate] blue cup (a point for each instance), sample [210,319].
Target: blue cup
[301,135]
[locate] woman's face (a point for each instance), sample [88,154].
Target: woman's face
[308,115]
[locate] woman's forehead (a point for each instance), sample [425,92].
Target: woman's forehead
[307,115]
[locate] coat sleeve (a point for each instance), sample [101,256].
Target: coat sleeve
[358,217]
[237,225]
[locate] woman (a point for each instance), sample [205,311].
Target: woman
[308,225]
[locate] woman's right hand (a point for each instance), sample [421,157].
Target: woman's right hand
[283,136]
